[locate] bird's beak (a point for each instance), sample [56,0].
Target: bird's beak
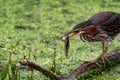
[71,34]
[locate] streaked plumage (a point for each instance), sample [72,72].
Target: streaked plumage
[101,27]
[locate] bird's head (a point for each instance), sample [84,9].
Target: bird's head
[78,29]
[74,31]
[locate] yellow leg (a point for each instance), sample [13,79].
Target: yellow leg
[104,47]
[104,50]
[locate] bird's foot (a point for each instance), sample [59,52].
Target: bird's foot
[92,62]
[99,61]
[95,61]
[84,61]
[105,60]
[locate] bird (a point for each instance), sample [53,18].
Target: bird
[101,27]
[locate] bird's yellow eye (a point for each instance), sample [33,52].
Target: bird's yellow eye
[78,29]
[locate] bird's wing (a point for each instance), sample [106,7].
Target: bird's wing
[112,25]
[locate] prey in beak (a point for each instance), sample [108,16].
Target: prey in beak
[66,37]
[78,29]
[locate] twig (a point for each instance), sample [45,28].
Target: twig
[39,68]
[110,59]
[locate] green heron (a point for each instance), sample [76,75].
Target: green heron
[102,27]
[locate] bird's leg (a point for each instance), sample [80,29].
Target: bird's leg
[102,57]
[105,47]
[104,50]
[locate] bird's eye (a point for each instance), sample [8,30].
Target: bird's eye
[78,29]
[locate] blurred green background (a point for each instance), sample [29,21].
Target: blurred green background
[33,29]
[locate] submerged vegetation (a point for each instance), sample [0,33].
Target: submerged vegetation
[32,29]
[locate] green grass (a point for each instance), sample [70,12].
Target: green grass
[36,27]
